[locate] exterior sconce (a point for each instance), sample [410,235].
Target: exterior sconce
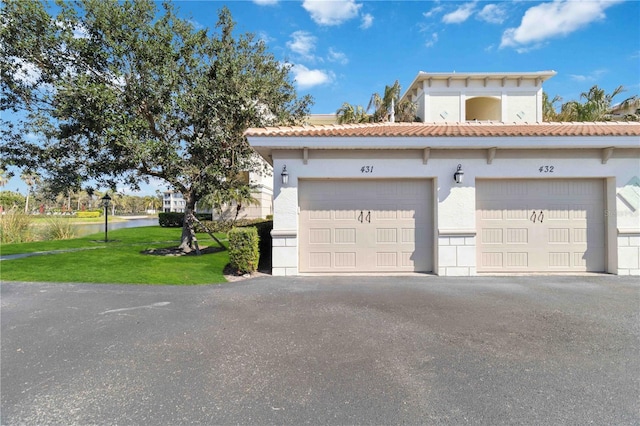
[458,176]
[284,175]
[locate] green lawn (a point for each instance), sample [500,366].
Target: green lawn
[118,261]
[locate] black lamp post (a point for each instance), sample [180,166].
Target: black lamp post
[106,200]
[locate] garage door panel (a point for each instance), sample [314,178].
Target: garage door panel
[370,226]
[558,227]
[345,235]
[345,260]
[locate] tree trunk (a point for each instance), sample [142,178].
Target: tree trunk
[188,241]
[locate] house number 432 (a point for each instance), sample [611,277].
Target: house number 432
[546,169]
[366,169]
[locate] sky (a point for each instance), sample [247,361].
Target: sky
[346,50]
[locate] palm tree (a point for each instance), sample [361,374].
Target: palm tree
[406,112]
[384,105]
[596,106]
[31,179]
[598,103]
[239,195]
[548,107]
[4,178]
[348,114]
[389,104]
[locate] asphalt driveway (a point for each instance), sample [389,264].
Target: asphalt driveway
[307,350]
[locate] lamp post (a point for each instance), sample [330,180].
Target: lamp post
[106,200]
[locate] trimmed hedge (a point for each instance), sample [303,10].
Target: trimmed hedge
[176,220]
[264,233]
[244,253]
[171,220]
[88,214]
[226,225]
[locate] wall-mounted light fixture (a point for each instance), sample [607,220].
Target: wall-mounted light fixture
[458,176]
[284,175]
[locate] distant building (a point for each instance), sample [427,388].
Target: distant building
[320,119]
[172,202]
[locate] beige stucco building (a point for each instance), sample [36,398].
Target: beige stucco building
[528,197]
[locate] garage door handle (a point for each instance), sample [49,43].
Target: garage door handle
[535,216]
[369,217]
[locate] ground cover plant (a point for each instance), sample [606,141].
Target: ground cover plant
[122,260]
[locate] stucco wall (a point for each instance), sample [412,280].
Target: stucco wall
[520,101]
[455,206]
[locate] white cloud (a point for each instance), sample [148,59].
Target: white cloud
[559,18]
[335,56]
[331,12]
[459,15]
[302,43]
[493,14]
[306,78]
[80,32]
[265,2]
[265,37]
[27,72]
[432,40]
[367,21]
[433,11]
[593,76]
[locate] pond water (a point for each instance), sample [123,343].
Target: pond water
[94,228]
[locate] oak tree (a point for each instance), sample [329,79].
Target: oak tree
[118,92]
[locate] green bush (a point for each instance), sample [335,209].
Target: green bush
[57,228]
[176,220]
[88,214]
[264,228]
[15,227]
[244,254]
[225,225]
[171,220]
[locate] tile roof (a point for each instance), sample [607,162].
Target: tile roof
[470,129]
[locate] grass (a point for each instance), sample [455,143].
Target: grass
[119,261]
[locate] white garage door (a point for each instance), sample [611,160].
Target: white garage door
[366,225]
[540,225]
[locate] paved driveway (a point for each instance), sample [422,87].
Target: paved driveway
[357,350]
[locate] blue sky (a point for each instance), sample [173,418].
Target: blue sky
[346,50]
[343,51]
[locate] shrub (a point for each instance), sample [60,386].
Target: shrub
[176,220]
[88,214]
[171,220]
[264,233]
[15,227]
[204,216]
[58,228]
[244,253]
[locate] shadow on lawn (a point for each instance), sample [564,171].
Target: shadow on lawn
[176,251]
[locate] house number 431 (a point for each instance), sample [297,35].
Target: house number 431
[366,169]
